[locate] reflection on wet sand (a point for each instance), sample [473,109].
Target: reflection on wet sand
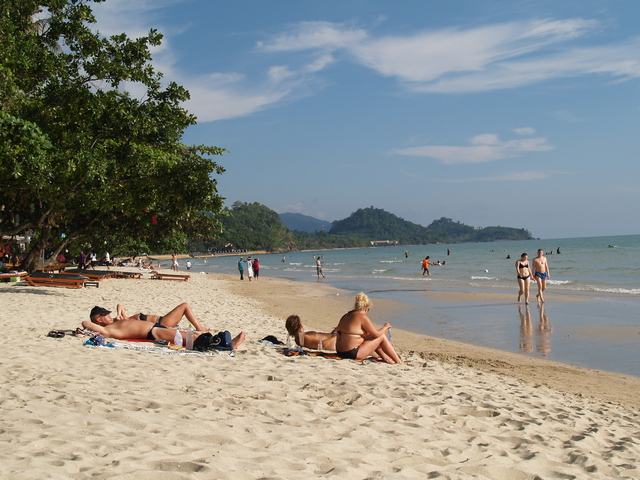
[542,334]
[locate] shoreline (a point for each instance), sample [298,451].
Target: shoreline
[77,411]
[307,298]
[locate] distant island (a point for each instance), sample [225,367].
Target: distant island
[256,227]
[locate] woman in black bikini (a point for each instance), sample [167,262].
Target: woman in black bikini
[358,338]
[523,272]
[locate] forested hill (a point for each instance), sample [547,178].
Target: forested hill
[252,226]
[377,224]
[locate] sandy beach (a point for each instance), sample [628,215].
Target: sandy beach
[454,411]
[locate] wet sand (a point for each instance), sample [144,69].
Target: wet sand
[454,411]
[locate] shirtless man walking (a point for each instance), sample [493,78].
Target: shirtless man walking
[541,273]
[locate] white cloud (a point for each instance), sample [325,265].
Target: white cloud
[485,148]
[448,60]
[456,60]
[525,176]
[567,116]
[525,131]
[314,35]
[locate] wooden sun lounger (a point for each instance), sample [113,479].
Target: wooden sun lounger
[95,275]
[11,275]
[169,276]
[136,275]
[52,268]
[41,279]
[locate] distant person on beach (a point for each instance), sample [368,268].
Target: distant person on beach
[284,259]
[295,328]
[406,254]
[249,266]
[558,251]
[425,266]
[174,262]
[188,265]
[82,261]
[448,252]
[149,327]
[541,273]
[358,338]
[523,273]
[319,270]
[256,268]
[241,268]
[93,260]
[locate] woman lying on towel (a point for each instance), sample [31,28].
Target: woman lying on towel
[358,338]
[309,339]
[150,327]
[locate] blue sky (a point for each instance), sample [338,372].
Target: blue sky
[512,113]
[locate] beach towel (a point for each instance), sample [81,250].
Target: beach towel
[296,352]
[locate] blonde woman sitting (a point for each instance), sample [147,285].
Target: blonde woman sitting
[358,338]
[309,339]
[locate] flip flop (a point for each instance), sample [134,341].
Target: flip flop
[56,334]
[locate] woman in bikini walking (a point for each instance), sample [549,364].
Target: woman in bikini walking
[357,338]
[523,272]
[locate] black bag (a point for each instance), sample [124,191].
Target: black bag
[219,341]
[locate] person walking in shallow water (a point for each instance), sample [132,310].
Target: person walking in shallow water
[425,266]
[523,273]
[541,273]
[319,270]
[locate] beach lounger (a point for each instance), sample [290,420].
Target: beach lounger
[11,275]
[41,279]
[136,275]
[52,268]
[169,276]
[95,275]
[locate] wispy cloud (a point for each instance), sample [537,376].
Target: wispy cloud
[525,176]
[458,60]
[447,60]
[484,148]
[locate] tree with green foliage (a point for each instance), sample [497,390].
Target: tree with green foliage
[83,160]
[252,226]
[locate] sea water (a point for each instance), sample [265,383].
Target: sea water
[600,273]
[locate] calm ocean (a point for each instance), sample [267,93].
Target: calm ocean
[587,269]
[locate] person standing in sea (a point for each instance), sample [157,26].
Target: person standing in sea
[523,272]
[241,268]
[319,268]
[425,266]
[541,273]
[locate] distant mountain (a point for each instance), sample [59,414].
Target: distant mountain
[304,223]
[376,224]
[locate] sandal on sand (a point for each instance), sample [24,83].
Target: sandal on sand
[56,334]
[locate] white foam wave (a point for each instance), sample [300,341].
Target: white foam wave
[484,278]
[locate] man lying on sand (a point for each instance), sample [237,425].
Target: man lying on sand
[142,326]
[170,320]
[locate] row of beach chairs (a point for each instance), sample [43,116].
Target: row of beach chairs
[82,278]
